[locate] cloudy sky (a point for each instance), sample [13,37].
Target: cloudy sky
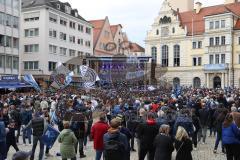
[136,16]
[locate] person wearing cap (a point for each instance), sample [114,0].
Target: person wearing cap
[11,139]
[67,141]
[21,155]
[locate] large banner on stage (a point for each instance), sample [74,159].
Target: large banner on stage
[50,136]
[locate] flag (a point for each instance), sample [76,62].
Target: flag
[69,78]
[50,136]
[151,88]
[30,79]
[89,77]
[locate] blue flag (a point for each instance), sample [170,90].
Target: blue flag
[50,136]
[29,79]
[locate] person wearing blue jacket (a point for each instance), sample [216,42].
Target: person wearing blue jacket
[26,117]
[231,138]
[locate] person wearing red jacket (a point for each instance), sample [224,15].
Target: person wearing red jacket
[98,130]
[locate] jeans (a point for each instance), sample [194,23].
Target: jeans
[98,154]
[80,142]
[35,142]
[218,139]
[3,150]
[203,133]
[132,142]
[18,133]
[194,139]
[27,134]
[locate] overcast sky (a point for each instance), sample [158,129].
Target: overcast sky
[136,16]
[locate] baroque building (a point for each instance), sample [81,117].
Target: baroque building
[196,46]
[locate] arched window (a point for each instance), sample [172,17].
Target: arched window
[176,59]
[165,56]
[176,82]
[196,82]
[157,32]
[154,54]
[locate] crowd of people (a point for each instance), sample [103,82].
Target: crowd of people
[121,121]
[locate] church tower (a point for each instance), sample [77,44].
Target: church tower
[182,5]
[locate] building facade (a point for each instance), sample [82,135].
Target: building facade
[9,37]
[199,47]
[52,32]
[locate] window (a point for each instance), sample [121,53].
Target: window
[173,30]
[8,3]
[223,40]
[31,19]
[80,41]
[80,54]
[52,33]
[15,21]
[157,32]
[194,61]
[88,44]
[72,24]
[63,51]
[216,24]
[176,56]
[15,62]
[2,61]
[72,53]
[223,23]
[52,18]
[8,62]
[199,61]
[222,58]
[63,21]
[2,40]
[58,6]
[16,4]
[80,27]
[52,49]
[199,44]
[88,30]
[8,20]
[210,59]
[15,42]
[8,41]
[194,45]
[68,9]
[211,25]
[63,36]
[154,54]
[217,41]
[2,15]
[30,65]
[31,48]
[217,59]
[165,56]
[31,32]
[52,66]
[72,39]
[239,40]
[211,41]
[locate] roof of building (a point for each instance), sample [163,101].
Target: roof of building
[97,28]
[198,27]
[51,3]
[237,26]
[114,29]
[136,48]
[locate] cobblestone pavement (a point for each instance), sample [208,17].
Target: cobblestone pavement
[204,152]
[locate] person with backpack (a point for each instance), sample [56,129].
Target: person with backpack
[115,143]
[97,132]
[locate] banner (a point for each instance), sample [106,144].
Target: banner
[50,136]
[30,79]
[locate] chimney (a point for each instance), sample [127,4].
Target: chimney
[230,1]
[198,6]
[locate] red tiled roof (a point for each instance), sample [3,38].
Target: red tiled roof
[97,24]
[186,18]
[136,48]
[237,26]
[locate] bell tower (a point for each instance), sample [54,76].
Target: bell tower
[182,5]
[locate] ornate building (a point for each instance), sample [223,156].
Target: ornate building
[198,47]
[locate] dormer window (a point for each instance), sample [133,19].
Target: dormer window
[76,14]
[58,6]
[68,9]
